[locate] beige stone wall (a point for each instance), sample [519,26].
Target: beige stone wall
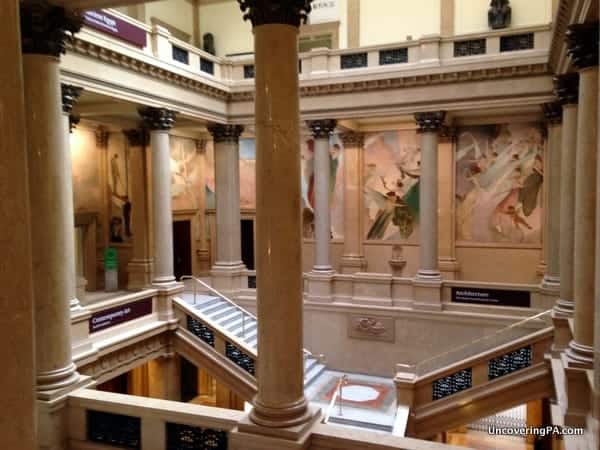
[224,21]
[176,13]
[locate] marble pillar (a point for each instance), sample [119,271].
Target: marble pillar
[203,234]
[321,131]
[582,42]
[139,267]
[229,272]
[159,121]
[550,286]
[17,335]
[448,265]
[280,401]
[353,259]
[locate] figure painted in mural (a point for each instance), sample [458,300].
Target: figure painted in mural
[208,43]
[115,173]
[499,14]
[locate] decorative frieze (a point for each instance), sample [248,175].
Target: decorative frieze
[371,328]
[46,28]
[323,128]
[553,112]
[157,118]
[582,44]
[430,122]
[225,132]
[285,12]
[566,88]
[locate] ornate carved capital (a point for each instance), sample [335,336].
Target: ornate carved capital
[200,146]
[286,12]
[225,132]
[353,139]
[74,120]
[553,112]
[137,137]
[70,95]
[566,88]
[102,136]
[322,129]
[45,28]
[582,44]
[157,118]
[430,121]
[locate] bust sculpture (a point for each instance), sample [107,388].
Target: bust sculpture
[499,14]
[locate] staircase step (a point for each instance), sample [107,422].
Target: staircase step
[309,363]
[313,374]
[239,331]
[233,316]
[225,311]
[361,424]
[215,308]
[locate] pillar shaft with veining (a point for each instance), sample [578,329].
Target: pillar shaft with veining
[321,131]
[159,121]
[429,126]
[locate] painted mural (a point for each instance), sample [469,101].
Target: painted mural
[86,176]
[247,174]
[186,173]
[118,185]
[336,194]
[392,171]
[499,184]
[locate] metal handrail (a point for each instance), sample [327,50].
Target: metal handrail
[243,312]
[337,393]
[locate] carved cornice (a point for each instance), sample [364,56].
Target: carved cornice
[70,95]
[157,118]
[553,112]
[225,132]
[430,121]
[322,129]
[137,137]
[566,88]
[582,44]
[46,28]
[286,12]
[352,139]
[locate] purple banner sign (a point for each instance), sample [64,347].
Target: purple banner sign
[120,314]
[107,23]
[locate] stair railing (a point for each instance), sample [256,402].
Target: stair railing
[243,313]
[336,393]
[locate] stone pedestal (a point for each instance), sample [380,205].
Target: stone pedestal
[353,259]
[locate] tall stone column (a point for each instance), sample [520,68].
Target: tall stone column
[321,131]
[70,94]
[159,121]
[280,401]
[203,250]
[449,266]
[228,272]
[353,258]
[139,267]
[550,286]
[582,42]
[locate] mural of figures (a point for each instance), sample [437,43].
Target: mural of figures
[499,179]
[247,174]
[85,160]
[392,174]
[336,194]
[120,206]
[186,173]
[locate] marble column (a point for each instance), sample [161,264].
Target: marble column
[582,43]
[550,286]
[321,131]
[228,272]
[353,259]
[139,268]
[567,91]
[429,126]
[70,95]
[448,265]
[203,235]
[159,121]
[17,351]
[280,401]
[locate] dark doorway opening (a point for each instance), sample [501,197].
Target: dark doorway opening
[248,243]
[189,380]
[118,385]
[182,248]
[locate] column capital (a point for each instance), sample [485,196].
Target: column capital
[553,113]
[102,136]
[321,128]
[161,119]
[582,44]
[566,88]
[285,12]
[46,28]
[353,138]
[137,137]
[70,95]
[430,121]
[74,120]
[222,132]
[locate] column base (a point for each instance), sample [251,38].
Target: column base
[163,281]
[229,278]
[580,356]
[564,308]
[549,291]
[350,264]
[139,274]
[319,287]
[427,293]
[48,383]
[322,270]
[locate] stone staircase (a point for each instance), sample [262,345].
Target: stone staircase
[244,326]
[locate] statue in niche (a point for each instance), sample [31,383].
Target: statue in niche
[499,14]
[208,43]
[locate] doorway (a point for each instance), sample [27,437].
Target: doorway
[182,248]
[189,380]
[248,243]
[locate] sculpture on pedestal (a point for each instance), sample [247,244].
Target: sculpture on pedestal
[499,14]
